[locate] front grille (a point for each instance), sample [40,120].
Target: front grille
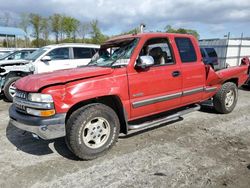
[21,94]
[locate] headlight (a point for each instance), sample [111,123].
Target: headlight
[31,68]
[41,113]
[38,97]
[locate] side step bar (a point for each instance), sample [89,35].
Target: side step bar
[165,119]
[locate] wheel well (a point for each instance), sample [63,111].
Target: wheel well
[112,101]
[11,74]
[234,80]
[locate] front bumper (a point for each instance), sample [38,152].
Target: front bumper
[46,128]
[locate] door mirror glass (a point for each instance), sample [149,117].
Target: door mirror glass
[144,62]
[46,58]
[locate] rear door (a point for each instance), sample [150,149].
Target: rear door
[192,70]
[82,55]
[158,88]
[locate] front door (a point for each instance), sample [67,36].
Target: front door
[159,87]
[60,59]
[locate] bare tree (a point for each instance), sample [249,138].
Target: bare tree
[7,19]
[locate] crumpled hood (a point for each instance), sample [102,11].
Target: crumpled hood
[13,62]
[33,83]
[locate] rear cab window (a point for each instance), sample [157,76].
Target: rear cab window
[186,50]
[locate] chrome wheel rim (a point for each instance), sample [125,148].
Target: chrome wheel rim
[12,89]
[230,96]
[96,132]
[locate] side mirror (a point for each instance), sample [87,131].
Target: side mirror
[46,58]
[144,62]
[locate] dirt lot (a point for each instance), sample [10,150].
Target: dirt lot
[203,149]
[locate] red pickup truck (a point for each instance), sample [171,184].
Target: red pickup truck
[130,84]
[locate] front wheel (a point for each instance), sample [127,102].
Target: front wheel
[10,88]
[92,130]
[226,98]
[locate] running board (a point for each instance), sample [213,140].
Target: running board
[165,119]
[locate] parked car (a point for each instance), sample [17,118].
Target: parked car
[4,51]
[46,59]
[17,54]
[209,56]
[146,75]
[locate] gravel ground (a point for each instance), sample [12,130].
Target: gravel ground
[204,149]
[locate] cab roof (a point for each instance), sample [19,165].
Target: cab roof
[140,35]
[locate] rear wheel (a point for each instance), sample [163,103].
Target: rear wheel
[92,131]
[226,98]
[10,88]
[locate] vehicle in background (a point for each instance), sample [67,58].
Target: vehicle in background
[129,89]
[17,54]
[46,59]
[209,56]
[4,51]
[230,51]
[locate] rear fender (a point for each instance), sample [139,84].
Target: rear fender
[239,73]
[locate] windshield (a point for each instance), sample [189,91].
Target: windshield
[6,55]
[117,53]
[36,54]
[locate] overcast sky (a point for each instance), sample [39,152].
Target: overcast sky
[211,18]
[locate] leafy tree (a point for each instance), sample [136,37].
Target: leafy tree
[84,29]
[97,36]
[24,24]
[56,25]
[45,30]
[70,26]
[36,22]
[169,29]
[132,31]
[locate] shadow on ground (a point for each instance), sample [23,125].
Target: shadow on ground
[25,142]
[245,88]
[2,98]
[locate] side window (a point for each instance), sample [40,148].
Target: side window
[82,53]
[17,56]
[59,54]
[186,50]
[94,50]
[203,53]
[24,55]
[160,50]
[211,52]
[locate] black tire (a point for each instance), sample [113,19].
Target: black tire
[219,100]
[76,129]
[7,86]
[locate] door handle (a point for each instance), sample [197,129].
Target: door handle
[176,73]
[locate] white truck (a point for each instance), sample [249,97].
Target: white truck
[46,59]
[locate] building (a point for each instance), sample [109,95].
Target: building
[230,51]
[9,35]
